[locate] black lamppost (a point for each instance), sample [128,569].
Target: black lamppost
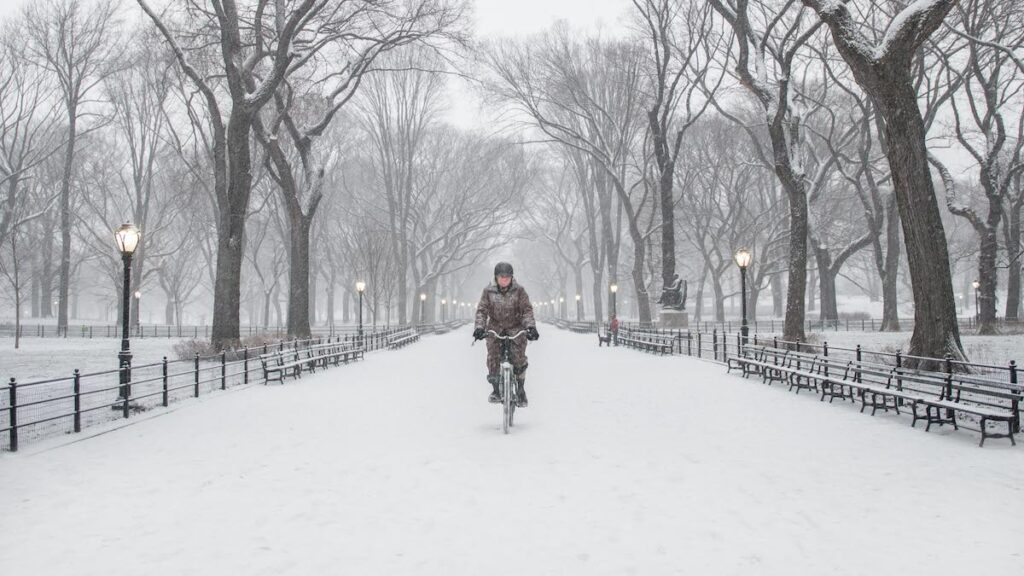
[561,306]
[423,303]
[977,311]
[743,258]
[360,287]
[127,239]
[614,288]
[444,303]
[579,308]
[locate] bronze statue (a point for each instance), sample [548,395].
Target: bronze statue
[674,297]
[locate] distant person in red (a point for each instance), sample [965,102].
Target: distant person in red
[613,329]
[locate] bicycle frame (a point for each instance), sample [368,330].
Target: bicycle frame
[508,378]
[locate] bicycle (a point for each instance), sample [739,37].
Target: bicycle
[508,379]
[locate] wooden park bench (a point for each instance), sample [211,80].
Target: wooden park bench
[277,365]
[402,339]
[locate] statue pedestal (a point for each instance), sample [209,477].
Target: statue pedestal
[673,319]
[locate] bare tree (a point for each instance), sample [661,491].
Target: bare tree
[258,47]
[883,70]
[74,41]
[989,125]
[767,52]
[585,95]
[29,134]
[678,33]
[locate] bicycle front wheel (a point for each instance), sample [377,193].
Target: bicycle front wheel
[508,403]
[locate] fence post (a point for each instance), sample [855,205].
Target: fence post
[223,369]
[197,375]
[127,388]
[714,342]
[824,351]
[78,401]
[689,343]
[698,343]
[899,370]
[165,382]
[13,391]
[1016,399]
[949,383]
[245,365]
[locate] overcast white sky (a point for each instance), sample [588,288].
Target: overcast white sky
[502,16]
[492,18]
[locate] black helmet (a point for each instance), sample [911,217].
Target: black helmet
[503,268]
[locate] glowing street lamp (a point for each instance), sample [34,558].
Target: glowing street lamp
[614,288]
[743,258]
[127,239]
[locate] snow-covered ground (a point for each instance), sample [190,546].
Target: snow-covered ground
[45,358]
[624,463]
[994,350]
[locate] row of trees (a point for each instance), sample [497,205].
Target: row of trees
[281,142]
[800,129]
[294,142]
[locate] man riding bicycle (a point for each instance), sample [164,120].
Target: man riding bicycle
[505,307]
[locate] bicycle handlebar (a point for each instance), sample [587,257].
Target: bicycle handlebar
[500,337]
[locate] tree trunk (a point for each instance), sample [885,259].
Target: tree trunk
[298,278]
[231,232]
[330,290]
[65,218]
[885,74]
[890,292]
[577,275]
[777,291]
[753,291]
[266,308]
[1013,248]
[666,169]
[987,280]
[812,292]
[643,300]
[314,283]
[716,286]
[35,289]
[829,313]
[698,299]
[793,329]
[46,275]
[936,332]
[346,306]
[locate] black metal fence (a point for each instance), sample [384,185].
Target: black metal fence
[719,345]
[64,405]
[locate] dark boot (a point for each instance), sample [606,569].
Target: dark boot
[521,394]
[495,397]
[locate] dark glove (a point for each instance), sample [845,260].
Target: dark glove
[531,333]
[478,334]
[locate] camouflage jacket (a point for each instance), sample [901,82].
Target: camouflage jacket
[509,310]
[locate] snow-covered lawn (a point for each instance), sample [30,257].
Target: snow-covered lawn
[994,350]
[45,358]
[624,463]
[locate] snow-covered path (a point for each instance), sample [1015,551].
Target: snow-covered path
[624,463]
